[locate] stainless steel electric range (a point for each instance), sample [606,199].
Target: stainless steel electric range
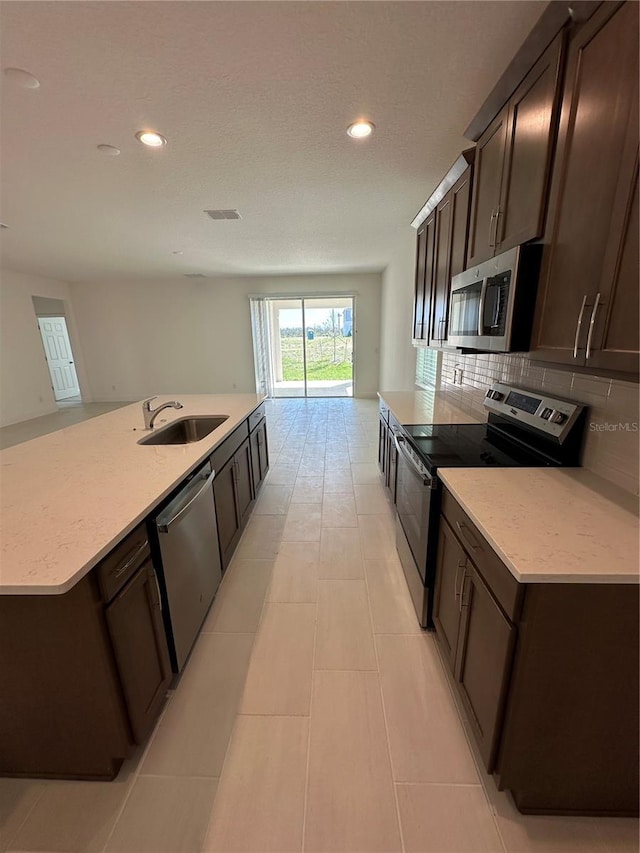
[524,429]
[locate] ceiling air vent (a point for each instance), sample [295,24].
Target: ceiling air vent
[194,275]
[223,214]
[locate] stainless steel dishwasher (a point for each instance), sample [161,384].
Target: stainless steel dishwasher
[187,536]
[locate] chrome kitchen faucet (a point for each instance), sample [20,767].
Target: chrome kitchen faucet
[150,414]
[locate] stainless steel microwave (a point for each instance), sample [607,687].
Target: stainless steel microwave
[492,304]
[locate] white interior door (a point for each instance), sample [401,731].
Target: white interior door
[57,348]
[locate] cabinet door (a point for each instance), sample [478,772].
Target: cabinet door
[450,568]
[140,647]
[243,485]
[259,454]
[487,179]
[594,161]
[224,493]
[452,228]
[424,278]
[531,136]
[441,267]
[486,649]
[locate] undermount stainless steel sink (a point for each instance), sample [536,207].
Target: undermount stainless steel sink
[185,430]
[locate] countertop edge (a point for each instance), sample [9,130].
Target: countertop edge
[524,577]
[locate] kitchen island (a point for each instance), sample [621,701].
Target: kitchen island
[83,652]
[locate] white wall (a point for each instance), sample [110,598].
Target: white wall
[194,335]
[398,356]
[25,382]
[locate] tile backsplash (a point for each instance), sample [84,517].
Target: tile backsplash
[612,439]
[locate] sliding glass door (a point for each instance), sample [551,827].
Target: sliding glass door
[304,345]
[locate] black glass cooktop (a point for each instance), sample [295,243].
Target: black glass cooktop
[468,446]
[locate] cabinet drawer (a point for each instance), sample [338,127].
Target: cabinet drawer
[504,587]
[122,563]
[256,417]
[221,455]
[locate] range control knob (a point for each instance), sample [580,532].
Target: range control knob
[557,418]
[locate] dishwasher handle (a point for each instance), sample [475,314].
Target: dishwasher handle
[163,526]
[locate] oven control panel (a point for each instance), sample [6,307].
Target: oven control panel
[548,415]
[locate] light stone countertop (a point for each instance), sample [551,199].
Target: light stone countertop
[67,498]
[426,407]
[552,525]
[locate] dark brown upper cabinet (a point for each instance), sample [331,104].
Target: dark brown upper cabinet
[452,223]
[441,250]
[513,161]
[424,278]
[587,310]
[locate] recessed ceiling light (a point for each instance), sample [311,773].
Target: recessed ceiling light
[2,225]
[151,138]
[178,252]
[109,150]
[360,129]
[22,78]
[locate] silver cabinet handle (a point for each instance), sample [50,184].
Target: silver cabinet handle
[578,326]
[494,216]
[138,551]
[455,582]
[155,577]
[495,237]
[466,536]
[592,322]
[462,603]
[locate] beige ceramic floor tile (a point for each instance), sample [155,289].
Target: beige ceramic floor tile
[238,604]
[311,468]
[260,803]
[164,815]
[308,490]
[340,554]
[371,499]
[261,538]
[392,610]
[17,799]
[193,736]
[303,523]
[339,510]
[344,638]
[282,474]
[350,797]
[273,500]
[378,536]
[446,819]
[425,735]
[364,473]
[279,679]
[295,573]
[364,454]
[74,816]
[338,483]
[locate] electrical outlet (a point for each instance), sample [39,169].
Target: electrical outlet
[457,375]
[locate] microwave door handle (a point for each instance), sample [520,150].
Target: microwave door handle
[483,296]
[497,309]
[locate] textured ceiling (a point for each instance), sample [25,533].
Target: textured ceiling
[254,98]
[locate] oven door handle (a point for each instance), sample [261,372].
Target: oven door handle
[481,304]
[426,480]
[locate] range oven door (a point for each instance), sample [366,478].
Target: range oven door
[415,504]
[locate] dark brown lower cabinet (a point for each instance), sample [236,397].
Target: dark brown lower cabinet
[548,674]
[476,638]
[485,645]
[259,454]
[139,644]
[233,495]
[83,680]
